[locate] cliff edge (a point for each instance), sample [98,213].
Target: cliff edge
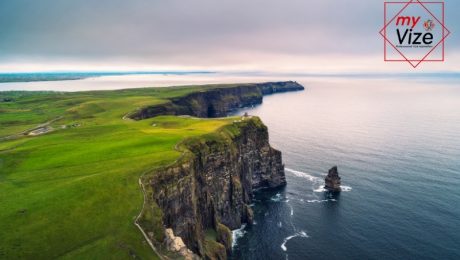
[192,205]
[207,192]
[216,101]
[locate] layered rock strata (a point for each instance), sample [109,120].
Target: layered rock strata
[217,101]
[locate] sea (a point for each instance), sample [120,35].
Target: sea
[395,140]
[396,143]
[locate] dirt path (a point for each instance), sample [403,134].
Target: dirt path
[37,128]
[176,147]
[139,226]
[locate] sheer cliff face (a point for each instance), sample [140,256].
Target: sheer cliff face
[217,102]
[207,192]
[213,184]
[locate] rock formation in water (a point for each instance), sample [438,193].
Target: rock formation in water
[332,180]
[208,191]
[217,101]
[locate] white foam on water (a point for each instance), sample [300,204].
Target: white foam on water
[298,234]
[315,179]
[346,188]
[276,198]
[343,187]
[321,201]
[238,233]
[292,210]
[316,201]
[320,189]
[303,175]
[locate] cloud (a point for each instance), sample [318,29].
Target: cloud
[199,33]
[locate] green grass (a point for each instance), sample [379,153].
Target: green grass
[73,193]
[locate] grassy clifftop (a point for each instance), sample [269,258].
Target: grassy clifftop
[208,190]
[70,164]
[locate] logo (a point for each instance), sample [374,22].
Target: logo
[414,32]
[429,25]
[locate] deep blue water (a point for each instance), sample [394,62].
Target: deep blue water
[397,147]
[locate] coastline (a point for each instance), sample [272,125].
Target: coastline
[87,122]
[183,166]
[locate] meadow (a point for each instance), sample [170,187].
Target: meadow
[72,191]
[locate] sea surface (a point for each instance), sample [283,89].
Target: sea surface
[97,81]
[396,143]
[395,140]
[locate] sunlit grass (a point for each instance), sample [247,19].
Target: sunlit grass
[73,192]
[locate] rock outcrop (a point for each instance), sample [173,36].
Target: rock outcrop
[176,245]
[332,180]
[216,101]
[207,192]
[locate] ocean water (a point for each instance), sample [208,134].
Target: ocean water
[94,81]
[395,140]
[396,143]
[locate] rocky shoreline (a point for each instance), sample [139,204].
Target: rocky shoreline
[198,200]
[216,102]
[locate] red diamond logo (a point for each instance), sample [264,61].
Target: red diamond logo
[414,32]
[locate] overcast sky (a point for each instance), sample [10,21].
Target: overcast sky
[291,35]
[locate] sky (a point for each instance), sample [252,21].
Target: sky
[320,36]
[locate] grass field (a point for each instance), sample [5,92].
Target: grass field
[73,192]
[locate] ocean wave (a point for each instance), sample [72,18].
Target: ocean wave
[303,175]
[320,189]
[346,188]
[315,179]
[343,187]
[238,233]
[277,197]
[320,201]
[298,234]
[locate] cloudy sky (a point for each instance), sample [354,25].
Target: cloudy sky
[254,35]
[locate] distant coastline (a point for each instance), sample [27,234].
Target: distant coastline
[13,77]
[59,76]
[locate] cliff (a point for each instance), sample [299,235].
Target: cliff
[216,102]
[207,192]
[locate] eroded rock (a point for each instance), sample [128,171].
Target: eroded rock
[213,186]
[332,180]
[175,244]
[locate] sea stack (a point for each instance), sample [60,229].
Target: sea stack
[332,180]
